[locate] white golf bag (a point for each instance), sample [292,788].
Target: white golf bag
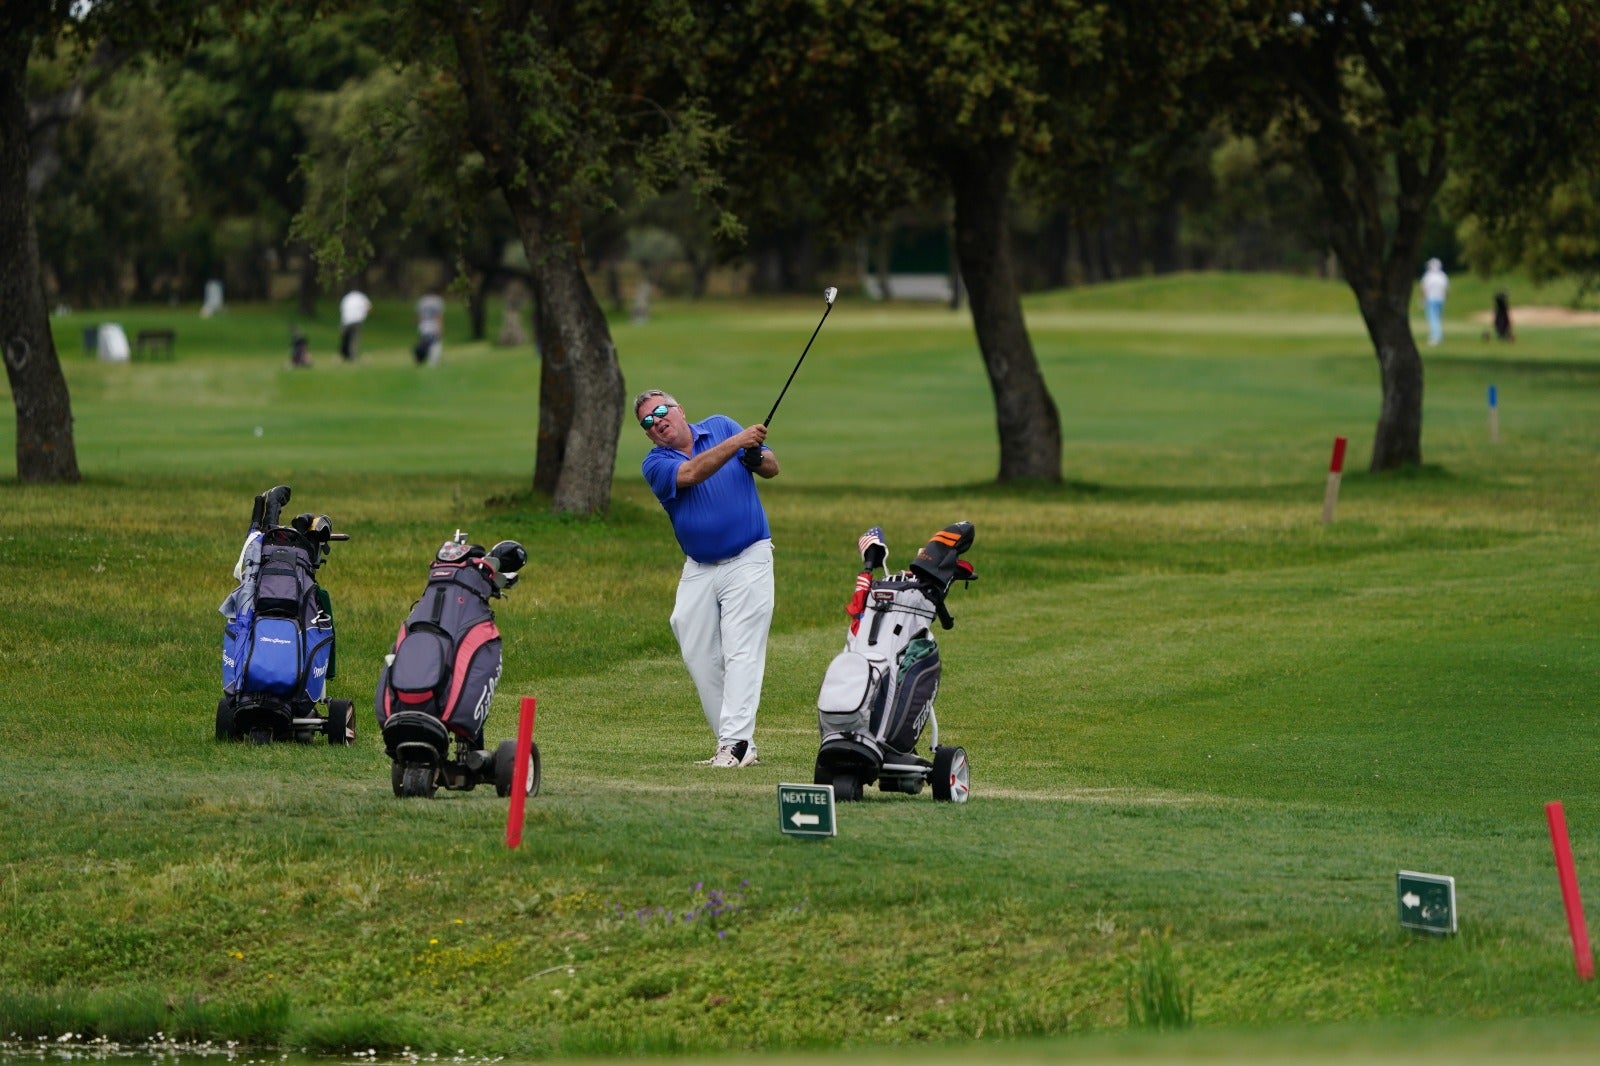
[877,696]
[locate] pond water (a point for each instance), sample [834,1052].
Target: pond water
[69,1049]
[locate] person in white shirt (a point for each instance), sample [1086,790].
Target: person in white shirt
[353,310]
[1435,283]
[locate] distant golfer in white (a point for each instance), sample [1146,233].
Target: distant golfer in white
[1435,283]
[706,484]
[353,311]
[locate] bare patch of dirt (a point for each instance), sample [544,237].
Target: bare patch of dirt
[1544,316]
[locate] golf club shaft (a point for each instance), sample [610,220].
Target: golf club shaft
[796,370]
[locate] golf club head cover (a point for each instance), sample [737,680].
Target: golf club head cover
[510,557]
[320,529]
[874,549]
[751,458]
[269,504]
[937,561]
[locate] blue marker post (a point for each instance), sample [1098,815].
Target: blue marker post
[1494,416]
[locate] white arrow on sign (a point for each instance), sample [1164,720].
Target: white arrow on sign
[1411,899]
[804,819]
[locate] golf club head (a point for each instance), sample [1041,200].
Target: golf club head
[829,294]
[510,557]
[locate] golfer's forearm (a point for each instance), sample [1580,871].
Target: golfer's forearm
[706,463]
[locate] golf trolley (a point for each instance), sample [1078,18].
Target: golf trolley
[437,683]
[877,695]
[278,641]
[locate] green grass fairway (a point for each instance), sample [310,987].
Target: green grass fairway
[1206,730]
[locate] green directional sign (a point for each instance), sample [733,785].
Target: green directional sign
[1427,901]
[806,810]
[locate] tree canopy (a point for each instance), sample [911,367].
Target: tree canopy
[1112,138]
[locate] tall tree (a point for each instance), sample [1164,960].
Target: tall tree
[45,448]
[893,102]
[549,103]
[1376,99]
[104,31]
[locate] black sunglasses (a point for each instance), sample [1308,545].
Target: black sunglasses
[655,416]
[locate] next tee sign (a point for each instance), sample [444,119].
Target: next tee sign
[806,810]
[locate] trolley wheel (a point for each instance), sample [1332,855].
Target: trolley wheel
[397,778]
[505,768]
[951,780]
[419,780]
[340,722]
[846,788]
[225,719]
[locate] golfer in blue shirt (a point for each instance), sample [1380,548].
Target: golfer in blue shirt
[704,475]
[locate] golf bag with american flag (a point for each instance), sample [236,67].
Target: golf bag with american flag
[877,696]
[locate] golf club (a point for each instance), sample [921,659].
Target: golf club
[828,296]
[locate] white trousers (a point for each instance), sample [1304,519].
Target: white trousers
[721,618]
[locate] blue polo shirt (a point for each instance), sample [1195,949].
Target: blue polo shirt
[718,518]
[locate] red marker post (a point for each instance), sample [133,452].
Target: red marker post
[1335,472]
[519,776]
[1582,955]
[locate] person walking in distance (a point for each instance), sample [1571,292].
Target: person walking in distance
[1435,283]
[430,330]
[705,480]
[353,311]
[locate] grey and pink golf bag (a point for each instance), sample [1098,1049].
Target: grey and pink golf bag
[438,682]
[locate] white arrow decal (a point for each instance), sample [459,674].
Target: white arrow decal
[805,819]
[1411,899]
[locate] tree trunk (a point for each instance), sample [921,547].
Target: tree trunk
[1030,428]
[580,382]
[1397,441]
[478,305]
[45,449]
[555,403]
[309,289]
[1376,256]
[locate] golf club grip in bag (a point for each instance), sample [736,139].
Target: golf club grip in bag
[446,658]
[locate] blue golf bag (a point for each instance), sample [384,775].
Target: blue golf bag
[278,638]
